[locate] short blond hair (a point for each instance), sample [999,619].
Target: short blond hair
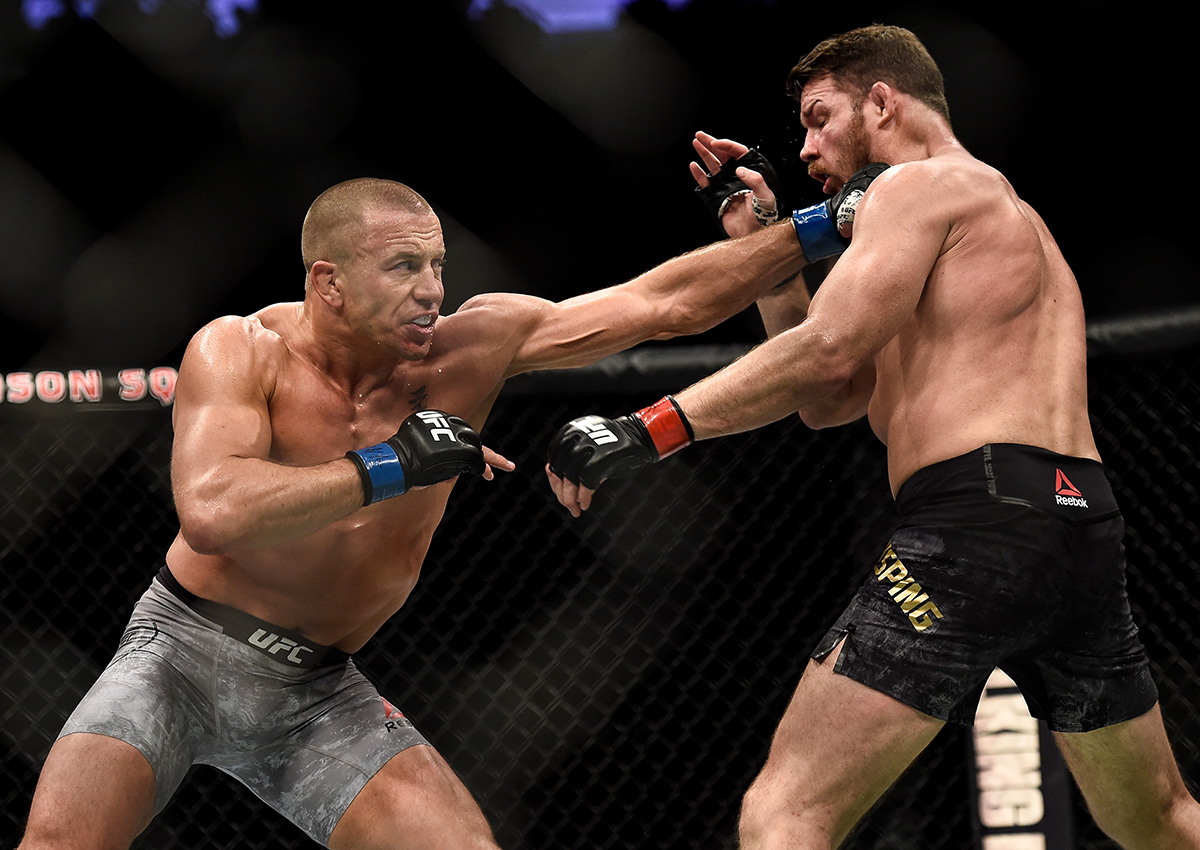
[338,215]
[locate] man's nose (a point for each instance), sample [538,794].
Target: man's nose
[429,290]
[808,151]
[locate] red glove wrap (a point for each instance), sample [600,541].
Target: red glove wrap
[667,426]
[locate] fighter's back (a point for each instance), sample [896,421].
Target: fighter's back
[995,350]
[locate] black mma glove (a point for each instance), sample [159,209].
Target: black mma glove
[590,449]
[817,226]
[724,185]
[431,446]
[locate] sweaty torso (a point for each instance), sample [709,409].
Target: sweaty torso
[339,584]
[995,350]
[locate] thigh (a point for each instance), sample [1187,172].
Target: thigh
[415,802]
[314,740]
[94,792]
[1127,773]
[838,747]
[922,627]
[151,696]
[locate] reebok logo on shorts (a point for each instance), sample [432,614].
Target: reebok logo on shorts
[1066,493]
[905,590]
[394,719]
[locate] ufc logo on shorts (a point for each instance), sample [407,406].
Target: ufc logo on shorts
[438,426]
[595,428]
[273,644]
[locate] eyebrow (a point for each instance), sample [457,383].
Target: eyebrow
[404,253]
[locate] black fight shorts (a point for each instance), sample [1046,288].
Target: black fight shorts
[1009,556]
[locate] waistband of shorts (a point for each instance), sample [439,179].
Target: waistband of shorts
[1074,489]
[284,646]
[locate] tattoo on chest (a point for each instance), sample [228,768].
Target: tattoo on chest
[417,398]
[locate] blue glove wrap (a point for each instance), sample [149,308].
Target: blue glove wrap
[817,232]
[382,469]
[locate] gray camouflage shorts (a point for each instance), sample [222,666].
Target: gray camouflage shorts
[298,724]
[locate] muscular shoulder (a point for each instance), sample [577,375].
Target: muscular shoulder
[237,336]
[493,318]
[959,185]
[948,197]
[948,182]
[237,348]
[503,306]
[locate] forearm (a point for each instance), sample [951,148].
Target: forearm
[713,283]
[784,307]
[249,503]
[794,370]
[846,405]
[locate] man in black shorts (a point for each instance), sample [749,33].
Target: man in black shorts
[991,565]
[954,324]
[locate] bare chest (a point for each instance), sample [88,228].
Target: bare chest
[313,420]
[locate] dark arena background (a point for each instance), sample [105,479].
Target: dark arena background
[613,681]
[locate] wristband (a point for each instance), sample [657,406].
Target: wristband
[667,426]
[817,232]
[380,470]
[766,215]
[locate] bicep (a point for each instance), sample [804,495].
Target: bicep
[875,286]
[221,408]
[583,329]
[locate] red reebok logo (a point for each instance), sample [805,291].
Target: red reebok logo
[1066,493]
[1063,485]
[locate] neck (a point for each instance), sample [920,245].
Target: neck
[920,134]
[324,340]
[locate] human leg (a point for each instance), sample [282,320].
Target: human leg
[839,746]
[414,802]
[124,749]
[94,793]
[1132,785]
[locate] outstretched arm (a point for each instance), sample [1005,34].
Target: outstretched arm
[868,295]
[685,295]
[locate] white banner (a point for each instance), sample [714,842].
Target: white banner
[1021,790]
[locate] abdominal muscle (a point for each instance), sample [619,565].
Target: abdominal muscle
[336,586]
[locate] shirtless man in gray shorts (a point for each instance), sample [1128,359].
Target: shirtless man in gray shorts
[954,324]
[305,515]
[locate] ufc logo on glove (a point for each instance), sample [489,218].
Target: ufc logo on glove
[597,428]
[436,420]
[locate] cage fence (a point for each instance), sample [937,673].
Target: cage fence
[611,681]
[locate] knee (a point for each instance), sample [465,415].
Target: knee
[39,836]
[770,818]
[754,818]
[1174,823]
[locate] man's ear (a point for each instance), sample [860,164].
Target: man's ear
[323,279]
[881,100]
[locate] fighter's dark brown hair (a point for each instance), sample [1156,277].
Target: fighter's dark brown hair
[857,59]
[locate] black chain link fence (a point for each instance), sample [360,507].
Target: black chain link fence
[608,682]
